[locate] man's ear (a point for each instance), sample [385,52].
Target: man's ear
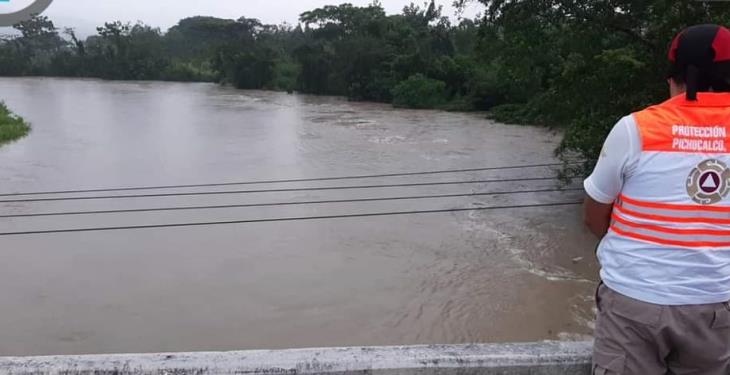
[675,88]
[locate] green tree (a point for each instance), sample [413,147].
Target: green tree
[32,52]
[580,65]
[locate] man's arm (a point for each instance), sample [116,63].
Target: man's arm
[616,162]
[597,216]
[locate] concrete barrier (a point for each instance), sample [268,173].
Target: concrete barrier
[546,358]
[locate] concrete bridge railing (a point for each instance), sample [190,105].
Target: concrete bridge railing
[546,358]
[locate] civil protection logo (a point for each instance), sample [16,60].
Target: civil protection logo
[16,17]
[709,182]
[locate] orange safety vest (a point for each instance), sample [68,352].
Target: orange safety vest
[677,197]
[669,240]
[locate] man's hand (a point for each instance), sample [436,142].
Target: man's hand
[597,216]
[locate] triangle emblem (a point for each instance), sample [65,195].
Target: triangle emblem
[709,182]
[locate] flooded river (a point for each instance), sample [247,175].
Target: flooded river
[453,277]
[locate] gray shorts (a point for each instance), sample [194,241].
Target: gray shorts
[639,338]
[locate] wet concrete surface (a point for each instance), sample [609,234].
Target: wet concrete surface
[483,276]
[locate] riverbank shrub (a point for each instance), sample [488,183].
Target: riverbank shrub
[188,72]
[285,76]
[12,127]
[419,92]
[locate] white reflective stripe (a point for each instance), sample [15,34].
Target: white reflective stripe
[672,217]
[677,240]
[700,214]
[671,225]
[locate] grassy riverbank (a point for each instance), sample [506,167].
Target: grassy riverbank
[12,127]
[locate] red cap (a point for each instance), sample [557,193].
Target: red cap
[696,53]
[700,45]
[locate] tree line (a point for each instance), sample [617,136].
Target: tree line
[577,65]
[358,52]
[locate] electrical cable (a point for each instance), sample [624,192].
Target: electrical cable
[191,208]
[99,190]
[283,219]
[277,190]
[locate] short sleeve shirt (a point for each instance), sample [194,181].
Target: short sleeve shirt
[618,161]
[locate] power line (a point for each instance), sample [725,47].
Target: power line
[190,208]
[277,190]
[99,190]
[302,218]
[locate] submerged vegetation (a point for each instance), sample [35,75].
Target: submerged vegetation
[12,127]
[574,65]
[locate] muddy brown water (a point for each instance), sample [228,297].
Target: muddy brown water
[481,276]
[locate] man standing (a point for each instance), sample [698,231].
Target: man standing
[658,198]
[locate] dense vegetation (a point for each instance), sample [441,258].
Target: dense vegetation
[12,127]
[573,64]
[582,64]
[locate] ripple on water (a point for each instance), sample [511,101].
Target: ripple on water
[388,140]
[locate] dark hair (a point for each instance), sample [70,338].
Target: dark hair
[700,58]
[710,77]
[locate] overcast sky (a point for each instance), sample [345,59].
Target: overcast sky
[85,15]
